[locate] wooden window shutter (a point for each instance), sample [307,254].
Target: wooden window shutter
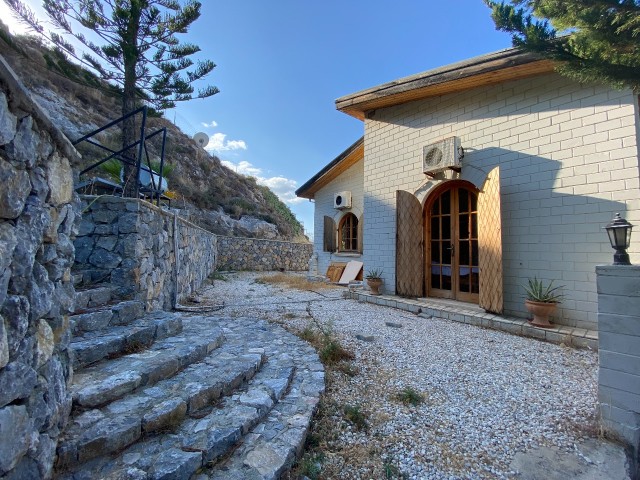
[360,227]
[329,243]
[490,244]
[409,246]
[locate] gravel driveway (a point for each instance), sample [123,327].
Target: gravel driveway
[486,395]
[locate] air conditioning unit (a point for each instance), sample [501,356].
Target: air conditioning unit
[342,200]
[441,155]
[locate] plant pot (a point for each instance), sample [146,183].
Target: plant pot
[541,312]
[374,285]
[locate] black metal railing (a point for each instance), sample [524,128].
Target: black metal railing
[152,191]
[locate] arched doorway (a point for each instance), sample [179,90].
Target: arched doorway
[451,247]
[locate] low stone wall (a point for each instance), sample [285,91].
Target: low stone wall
[236,253]
[36,292]
[619,355]
[131,245]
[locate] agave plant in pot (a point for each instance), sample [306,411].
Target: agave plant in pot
[542,301]
[374,280]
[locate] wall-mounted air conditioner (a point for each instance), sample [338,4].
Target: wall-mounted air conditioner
[342,200]
[441,155]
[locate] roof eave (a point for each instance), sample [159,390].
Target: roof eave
[497,67]
[330,171]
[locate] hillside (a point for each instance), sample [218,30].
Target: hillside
[206,192]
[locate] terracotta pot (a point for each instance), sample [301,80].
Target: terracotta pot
[541,312]
[374,285]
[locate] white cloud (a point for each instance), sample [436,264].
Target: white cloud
[213,124]
[283,187]
[218,143]
[243,168]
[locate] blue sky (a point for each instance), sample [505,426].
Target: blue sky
[282,64]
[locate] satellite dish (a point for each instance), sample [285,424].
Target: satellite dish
[201,138]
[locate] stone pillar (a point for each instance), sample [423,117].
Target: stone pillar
[619,351]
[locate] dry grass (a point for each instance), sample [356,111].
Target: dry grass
[293,281]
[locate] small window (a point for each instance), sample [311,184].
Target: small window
[348,233]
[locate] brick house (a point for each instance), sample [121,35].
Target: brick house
[544,164]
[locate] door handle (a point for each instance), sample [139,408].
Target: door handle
[451,247]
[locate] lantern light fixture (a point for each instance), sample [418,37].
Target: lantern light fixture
[619,231]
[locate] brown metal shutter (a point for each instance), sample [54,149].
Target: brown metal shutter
[360,228]
[409,246]
[329,243]
[490,244]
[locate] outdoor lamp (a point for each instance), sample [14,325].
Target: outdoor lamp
[619,231]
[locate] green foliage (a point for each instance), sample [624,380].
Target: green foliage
[374,273]
[112,169]
[311,465]
[391,471]
[137,47]
[409,396]
[597,41]
[356,416]
[537,291]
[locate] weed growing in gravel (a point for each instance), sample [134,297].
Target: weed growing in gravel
[391,471]
[310,465]
[216,275]
[409,396]
[353,414]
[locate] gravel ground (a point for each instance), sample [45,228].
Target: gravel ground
[487,394]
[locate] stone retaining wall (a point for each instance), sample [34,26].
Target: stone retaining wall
[36,293]
[235,253]
[619,355]
[131,245]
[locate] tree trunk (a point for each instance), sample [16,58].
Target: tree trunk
[129,134]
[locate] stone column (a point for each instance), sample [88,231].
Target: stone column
[619,351]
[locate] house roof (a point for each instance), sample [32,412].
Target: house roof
[338,165]
[489,69]
[497,67]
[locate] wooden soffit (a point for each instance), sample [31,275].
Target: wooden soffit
[498,67]
[340,164]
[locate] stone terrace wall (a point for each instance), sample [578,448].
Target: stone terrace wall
[236,253]
[36,292]
[130,244]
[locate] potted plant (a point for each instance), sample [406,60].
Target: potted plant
[542,301]
[374,280]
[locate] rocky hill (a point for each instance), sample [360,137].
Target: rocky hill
[206,192]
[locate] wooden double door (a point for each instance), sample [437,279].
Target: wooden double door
[452,246]
[452,251]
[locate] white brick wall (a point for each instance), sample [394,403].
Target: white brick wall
[568,156]
[351,180]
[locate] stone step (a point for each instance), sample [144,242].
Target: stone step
[149,410]
[116,341]
[197,441]
[192,427]
[109,380]
[93,297]
[99,318]
[272,447]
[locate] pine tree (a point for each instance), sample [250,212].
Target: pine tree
[593,40]
[137,50]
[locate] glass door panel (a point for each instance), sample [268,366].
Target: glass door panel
[452,263]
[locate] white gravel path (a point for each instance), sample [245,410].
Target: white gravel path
[488,394]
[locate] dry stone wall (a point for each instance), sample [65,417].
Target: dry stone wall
[235,253]
[37,222]
[131,245]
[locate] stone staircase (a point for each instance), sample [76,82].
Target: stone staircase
[183,396]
